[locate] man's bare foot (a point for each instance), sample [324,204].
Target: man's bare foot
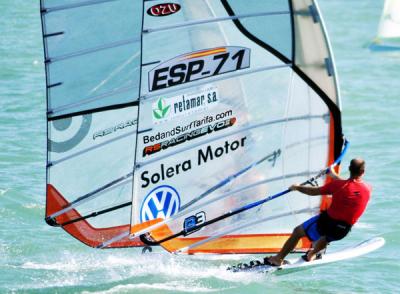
[309,256]
[273,260]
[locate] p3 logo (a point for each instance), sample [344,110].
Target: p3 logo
[191,223]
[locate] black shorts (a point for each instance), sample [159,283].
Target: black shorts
[332,229]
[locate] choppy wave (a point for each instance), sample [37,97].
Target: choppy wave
[173,287]
[121,272]
[362,225]
[3,191]
[34,206]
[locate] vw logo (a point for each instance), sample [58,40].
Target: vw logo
[161,202]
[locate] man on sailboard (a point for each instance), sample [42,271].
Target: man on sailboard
[349,200]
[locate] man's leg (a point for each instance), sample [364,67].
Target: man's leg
[289,245]
[319,245]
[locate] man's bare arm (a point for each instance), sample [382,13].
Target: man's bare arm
[311,191]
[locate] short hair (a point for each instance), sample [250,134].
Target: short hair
[357,166]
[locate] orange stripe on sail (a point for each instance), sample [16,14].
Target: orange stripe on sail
[83,230]
[205,53]
[141,226]
[249,243]
[326,199]
[264,243]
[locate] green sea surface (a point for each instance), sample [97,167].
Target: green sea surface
[36,258]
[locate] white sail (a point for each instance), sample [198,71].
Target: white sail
[389,26]
[182,111]
[241,101]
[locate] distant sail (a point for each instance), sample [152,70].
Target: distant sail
[388,37]
[389,26]
[240,99]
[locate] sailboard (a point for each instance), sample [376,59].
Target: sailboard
[388,37]
[294,265]
[170,123]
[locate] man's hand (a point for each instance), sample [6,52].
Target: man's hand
[311,191]
[332,173]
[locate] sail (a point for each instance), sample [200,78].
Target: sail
[238,99]
[389,26]
[388,37]
[93,62]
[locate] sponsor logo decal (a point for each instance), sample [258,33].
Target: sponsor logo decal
[160,109]
[180,129]
[161,202]
[221,125]
[72,130]
[120,126]
[183,105]
[163,9]
[198,65]
[190,223]
[204,155]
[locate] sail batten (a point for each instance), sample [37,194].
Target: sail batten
[215,19]
[151,95]
[51,8]
[91,50]
[113,92]
[51,163]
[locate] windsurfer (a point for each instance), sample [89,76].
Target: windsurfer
[349,200]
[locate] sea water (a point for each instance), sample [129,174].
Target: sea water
[37,258]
